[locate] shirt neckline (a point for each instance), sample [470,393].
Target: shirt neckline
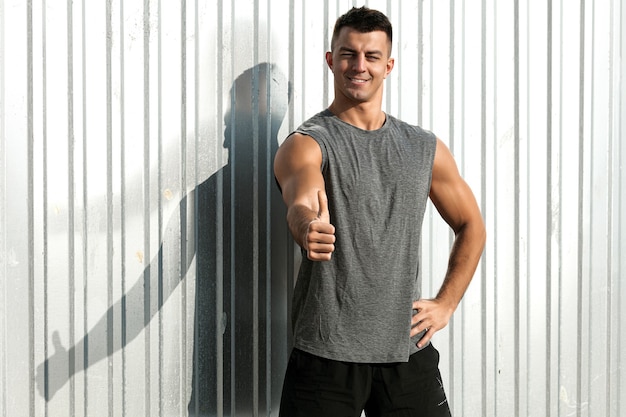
[329,113]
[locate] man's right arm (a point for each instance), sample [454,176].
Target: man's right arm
[297,168]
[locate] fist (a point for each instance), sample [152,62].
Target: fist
[319,240]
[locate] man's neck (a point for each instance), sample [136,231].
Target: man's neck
[366,116]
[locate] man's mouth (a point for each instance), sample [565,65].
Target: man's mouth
[358,80]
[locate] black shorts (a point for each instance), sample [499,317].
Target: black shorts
[318,387]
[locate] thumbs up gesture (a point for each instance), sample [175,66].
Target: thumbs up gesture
[319,239]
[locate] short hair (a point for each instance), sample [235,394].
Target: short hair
[364,20]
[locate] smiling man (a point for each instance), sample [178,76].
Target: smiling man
[356,182]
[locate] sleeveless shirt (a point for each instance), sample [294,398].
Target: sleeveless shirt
[357,307]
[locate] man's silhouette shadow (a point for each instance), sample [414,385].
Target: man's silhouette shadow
[233,225]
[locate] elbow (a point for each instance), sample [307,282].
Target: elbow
[474,231]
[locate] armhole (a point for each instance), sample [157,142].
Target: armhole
[431,149]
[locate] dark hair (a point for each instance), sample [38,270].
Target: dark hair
[364,20]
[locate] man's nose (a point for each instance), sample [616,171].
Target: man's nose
[358,63]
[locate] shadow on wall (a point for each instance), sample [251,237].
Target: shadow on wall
[237,220]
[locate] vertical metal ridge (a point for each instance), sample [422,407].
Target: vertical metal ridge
[483,199]
[388,80]
[255,211]
[219,228]
[495,214]
[516,204]
[184,231]
[560,178]
[398,40]
[462,82]
[328,47]
[431,67]
[109,205]
[159,186]
[85,206]
[430,99]
[71,204]
[147,274]
[527,288]
[549,231]
[609,237]
[44,140]
[452,140]
[268,215]
[292,251]
[186,257]
[451,78]
[3,221]
[291,70]
[123,196]
[580,225]
[231,205]
[590,205]
[268,244]
[303,63]
[269,157]
[621,219]
[420,61]
[30,204]
[462,129]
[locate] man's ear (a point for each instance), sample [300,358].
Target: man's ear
[390,63]
[329,59]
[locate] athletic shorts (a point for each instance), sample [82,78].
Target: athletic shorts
[318,387]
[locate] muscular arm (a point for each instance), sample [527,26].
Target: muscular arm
[456,204]
[297,170]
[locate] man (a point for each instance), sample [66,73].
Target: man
[356,183]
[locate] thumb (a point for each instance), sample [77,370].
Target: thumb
[323,214]
[56,342]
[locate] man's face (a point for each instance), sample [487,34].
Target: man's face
[360,63]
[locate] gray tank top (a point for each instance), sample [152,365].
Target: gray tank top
[358,306]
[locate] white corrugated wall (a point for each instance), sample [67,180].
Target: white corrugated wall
[145,268]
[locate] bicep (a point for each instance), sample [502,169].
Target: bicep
[449,192]
[297,167]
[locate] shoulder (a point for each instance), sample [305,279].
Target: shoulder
[444,165]
[299,142]
[298,149]
[312,136]
[413,130]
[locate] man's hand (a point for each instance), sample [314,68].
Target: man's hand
[432,316]
[319,239]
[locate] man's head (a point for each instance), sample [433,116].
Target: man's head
[360,58]
[363,20]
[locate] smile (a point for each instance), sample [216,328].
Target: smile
[357,80]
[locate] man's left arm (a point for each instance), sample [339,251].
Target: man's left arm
[457,205]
